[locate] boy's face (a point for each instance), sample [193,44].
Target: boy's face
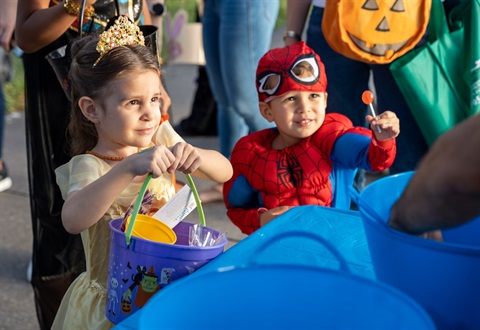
[297,115]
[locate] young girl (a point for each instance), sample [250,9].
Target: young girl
[116,114]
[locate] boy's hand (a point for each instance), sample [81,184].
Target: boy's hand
[272,214]
[389,125]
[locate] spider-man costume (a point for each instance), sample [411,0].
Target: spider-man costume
[300,174]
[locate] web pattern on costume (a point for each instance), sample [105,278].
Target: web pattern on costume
[298,175]
[295,176]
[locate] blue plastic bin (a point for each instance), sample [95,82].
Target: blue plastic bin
[280,296]
[444,277]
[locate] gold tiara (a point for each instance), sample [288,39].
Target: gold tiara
[123,32]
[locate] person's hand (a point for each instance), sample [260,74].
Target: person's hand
[388,123]
[156,160]
[166,101]
[187,158]
[271,214]
[8,14]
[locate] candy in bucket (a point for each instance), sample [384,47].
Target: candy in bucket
[203,236]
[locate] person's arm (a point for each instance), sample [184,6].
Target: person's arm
[215,167]
[8,13]
[147,18]
[38,25]
[297,12]
[383,149]
[354,146]
[245,219]
[204,163]
[243,208]
[240,197]
[445,190]
[85,207]
[248,220]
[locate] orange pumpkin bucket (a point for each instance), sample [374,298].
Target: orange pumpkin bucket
[374,31]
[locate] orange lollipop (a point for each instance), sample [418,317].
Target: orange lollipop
[367,98]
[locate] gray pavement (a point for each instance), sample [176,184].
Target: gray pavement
[18,310]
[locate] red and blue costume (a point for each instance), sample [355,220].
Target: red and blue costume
[301,174]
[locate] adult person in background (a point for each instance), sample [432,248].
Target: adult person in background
[8,13]
[349,78]
[43,26]
[236,33]
[202,120]
[445,189]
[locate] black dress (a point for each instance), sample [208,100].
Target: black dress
[57,256]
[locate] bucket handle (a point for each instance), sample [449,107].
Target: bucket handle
[141,194]
[136,208]
[289,234]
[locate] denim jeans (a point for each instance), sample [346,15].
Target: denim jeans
[347,79]
[236,34]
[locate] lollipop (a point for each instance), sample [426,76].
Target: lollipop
[367,98]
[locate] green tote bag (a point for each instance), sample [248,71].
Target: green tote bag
[441,79]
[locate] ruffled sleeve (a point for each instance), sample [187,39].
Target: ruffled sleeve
[79,172]
[166,135]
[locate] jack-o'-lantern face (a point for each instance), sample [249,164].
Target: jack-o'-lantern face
[126,307]
[382,27]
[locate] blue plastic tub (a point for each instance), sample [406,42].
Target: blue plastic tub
[280,296]
[444,277]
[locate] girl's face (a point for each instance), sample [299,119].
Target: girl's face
[297,115]
[130,111]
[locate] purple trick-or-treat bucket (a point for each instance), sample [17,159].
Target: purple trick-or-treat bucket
[137,271]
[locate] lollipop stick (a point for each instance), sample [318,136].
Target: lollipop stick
[372,110]
[374,115]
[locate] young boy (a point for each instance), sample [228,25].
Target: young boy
[291,165]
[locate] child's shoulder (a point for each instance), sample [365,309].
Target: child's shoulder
[337,119]
[334,126]
[83,162]
[257,138]
[254,142]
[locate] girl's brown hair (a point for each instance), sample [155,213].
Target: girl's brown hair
[89,80]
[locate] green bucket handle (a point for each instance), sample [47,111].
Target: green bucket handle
[141,194]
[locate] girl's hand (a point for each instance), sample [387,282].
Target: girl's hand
[388,123]
[156,160]
[187,158]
